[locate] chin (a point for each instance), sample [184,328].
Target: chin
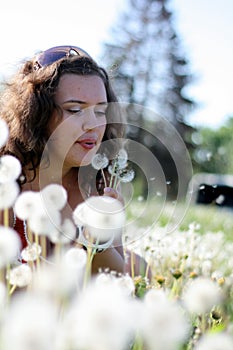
[79,159]
[87,159]
[84,163]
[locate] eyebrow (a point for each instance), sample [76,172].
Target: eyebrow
[84,102]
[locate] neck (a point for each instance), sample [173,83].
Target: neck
[71,180]
[46,176]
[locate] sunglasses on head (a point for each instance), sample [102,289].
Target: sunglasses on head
[56,53]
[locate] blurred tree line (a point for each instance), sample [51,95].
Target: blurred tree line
[149,68]
[214,149]
[151,74]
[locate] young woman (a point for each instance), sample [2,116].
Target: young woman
[58,110]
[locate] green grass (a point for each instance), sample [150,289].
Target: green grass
[208,218]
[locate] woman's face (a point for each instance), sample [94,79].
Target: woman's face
[77,136]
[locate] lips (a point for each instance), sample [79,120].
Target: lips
[87,143]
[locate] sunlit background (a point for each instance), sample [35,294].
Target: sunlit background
[186,245]
[205,28]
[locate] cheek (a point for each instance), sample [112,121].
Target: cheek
[54,122]
[65,128]
[101,133]
[103,127]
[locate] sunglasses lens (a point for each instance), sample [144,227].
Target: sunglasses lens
[49,58]
[56,53]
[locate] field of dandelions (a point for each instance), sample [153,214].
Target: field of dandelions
[56,304]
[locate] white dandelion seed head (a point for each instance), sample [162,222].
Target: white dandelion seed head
[99,161]
[104,278]
[126,175]
[76,258]
[44,220]
[126,283]
[100,312]
[26,204]
[164,325]
[31,252]
[201,295]
[4,132]
[122,158]
[73,264]
[3,295]
[69,229]
[103,216]
[10,168]
[206,267]
[8,194]
[154,296]
[55,280]
[20,276]
[112,170]
[30,323]
[215,341]
[79,214]
[65,234]
[54,195]
[10,246]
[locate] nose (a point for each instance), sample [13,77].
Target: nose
[90,120]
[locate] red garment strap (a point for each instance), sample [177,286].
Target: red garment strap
[19,228]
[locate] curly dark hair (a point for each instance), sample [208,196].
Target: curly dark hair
[27,104]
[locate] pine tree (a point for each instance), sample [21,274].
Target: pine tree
[149,69]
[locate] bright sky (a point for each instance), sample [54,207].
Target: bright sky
[205,27]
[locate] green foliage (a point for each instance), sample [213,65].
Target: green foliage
[214,153]
[141,286]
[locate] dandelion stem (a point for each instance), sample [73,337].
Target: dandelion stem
[57,251]
[12,289]
[90,256]
[147,269]
[6,217]
[132,263]
[111,179]
[115,182]
[105,182]
[138,344]
[88,266]
[203,323]
[8,268]
[112,175]
[43,243]
[174,289]
[29,235]
[2,275]
[37,243]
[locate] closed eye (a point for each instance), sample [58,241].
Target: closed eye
[74,111]
[100,113]
[78,107]
[100,110]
